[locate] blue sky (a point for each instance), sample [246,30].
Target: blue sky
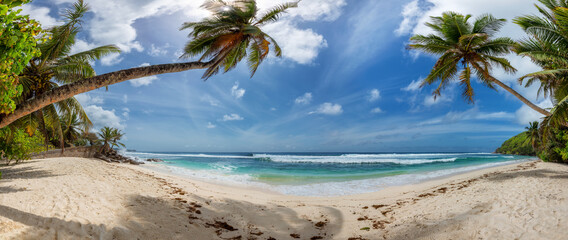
[345,83]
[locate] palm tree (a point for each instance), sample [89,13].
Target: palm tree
[546,46]
[467,49]
[57,66]
[533,134]
[72,128]
[109,137]
[222,40]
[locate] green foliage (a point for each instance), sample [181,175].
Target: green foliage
[518,145]
[17,47]
[110,137]
[464,49]
[16,145]
[234,27]
[555,148]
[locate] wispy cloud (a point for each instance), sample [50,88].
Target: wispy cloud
[211,125]
[144,81]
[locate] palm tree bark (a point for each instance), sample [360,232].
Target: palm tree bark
[70,90]
[512,91]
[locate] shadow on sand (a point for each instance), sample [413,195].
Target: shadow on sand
[146,217]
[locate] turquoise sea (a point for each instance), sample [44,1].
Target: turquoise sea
[323,174]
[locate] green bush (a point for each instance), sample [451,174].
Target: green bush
[16,145]
[517,145]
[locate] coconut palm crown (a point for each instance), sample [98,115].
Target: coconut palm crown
[467,49]
[232,33]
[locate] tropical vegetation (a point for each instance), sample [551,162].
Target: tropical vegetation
[18,39]
[465,49]
[222,41]
[109,139]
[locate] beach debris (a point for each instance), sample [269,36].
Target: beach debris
[379,206]
[316,237]
[222,225]
[357,238]
[295,235]
[320,224]
[365,229]
[365,207]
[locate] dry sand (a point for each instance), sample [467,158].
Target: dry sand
[76,198]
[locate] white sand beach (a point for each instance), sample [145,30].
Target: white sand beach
[78,198]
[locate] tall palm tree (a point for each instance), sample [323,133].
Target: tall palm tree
[222,40]
[533,134]
[546,46]
[467,49]
[57,66]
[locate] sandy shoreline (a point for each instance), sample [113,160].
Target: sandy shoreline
[76,198]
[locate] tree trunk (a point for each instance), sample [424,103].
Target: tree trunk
[43,129]
[512,91]
[520,97]
[72,89]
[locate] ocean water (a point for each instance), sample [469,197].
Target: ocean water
[323,174]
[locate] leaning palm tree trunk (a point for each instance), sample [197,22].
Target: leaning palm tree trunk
[512,91]
[70,90]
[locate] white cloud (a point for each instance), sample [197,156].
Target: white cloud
[210,125]
[111,59]
[431,100]
[273,109]
[304,99]
[126,112]
[144,81]
[125,99]
[41,14]
[101,117]
[374,95]
[410,13]
[413,86]
[329,109]
[158,51]
[232,117]
[237,92]
[299,45]
[86,99]
[376,110]
[525,114]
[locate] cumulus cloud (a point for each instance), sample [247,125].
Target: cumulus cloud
[376,110]
[525,114]
[101,117]
[232,117]
[144,81]
[411,14]
[329,109]
[374,95]
[413,86]
[87,99]
[210,125]
[41,14]
[304,99]
[299,45]
[237,92]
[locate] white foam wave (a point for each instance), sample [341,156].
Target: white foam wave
[200,155]
[354,159]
